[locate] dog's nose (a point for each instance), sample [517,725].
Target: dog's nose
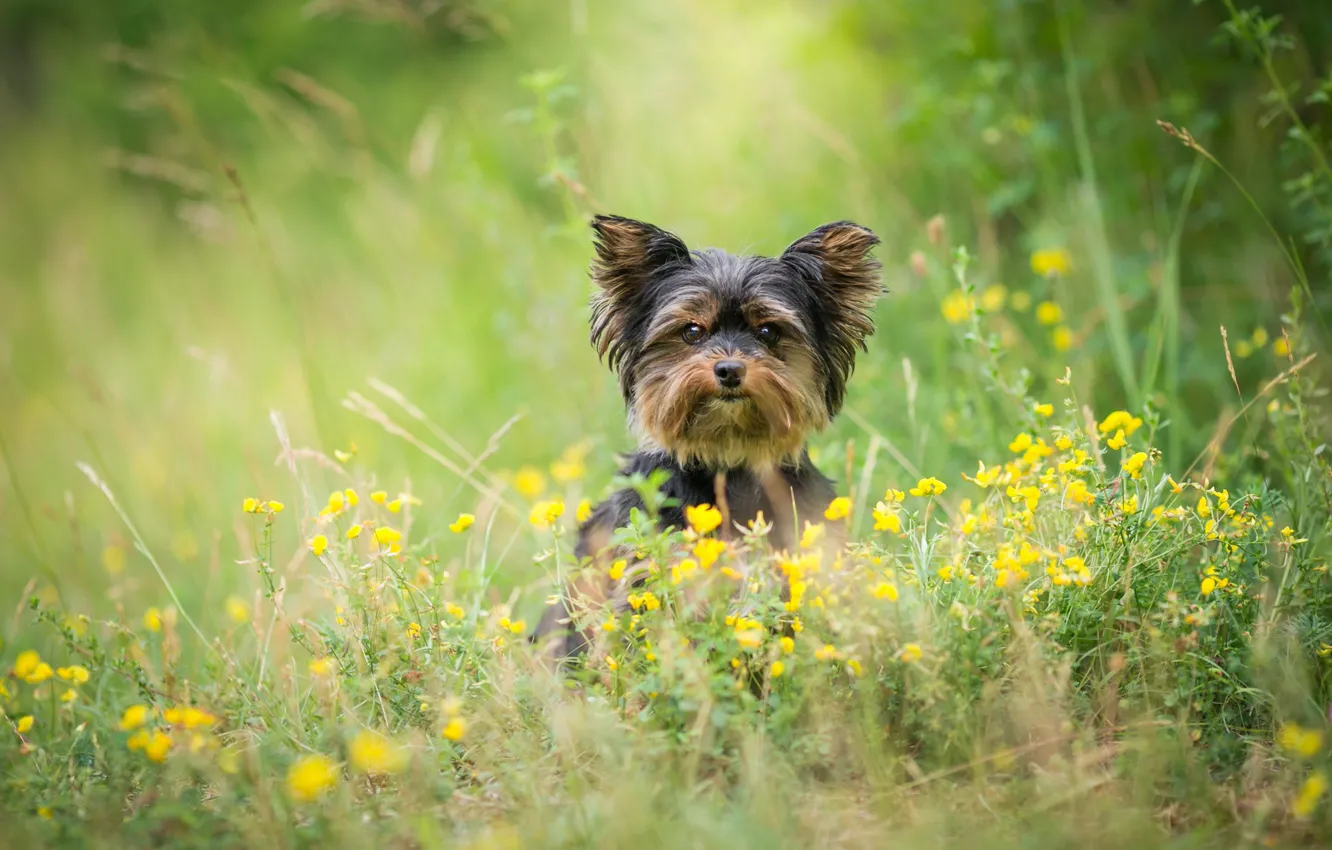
[729,373]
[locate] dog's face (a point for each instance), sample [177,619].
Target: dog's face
[731,361]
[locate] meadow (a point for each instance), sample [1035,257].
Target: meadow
[300,416]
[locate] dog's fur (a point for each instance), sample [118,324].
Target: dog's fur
[663,318]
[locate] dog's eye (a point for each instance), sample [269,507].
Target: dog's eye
[694,334]
[768,334]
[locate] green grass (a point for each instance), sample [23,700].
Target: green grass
[220,279]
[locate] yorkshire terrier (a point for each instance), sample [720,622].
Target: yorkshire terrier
[727,365]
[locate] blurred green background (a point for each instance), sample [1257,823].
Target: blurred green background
[412,180]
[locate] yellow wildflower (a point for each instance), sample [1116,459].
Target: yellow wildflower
[322,666]
[885,590]
[777,669]
[583,512]
[310,778]
[1063,443]
[1208,586]
[838,508]
[957,307]
[788,644]
[455,729]
[928,487]
[617,567]
[1315,786]
[1020,443]
[385,535]
[319,543]
[354,532]
[886,520]
[1133,465]
[134,717]
[1045,409]
[993,298]
[827,652]
[1300,741]
[813,535]
[274,506]
[73,673]
[985,477]
[893,495]
[1130,505]
[911,653]
[529,482]
[1281,348]
[703,518]
[373,754]
[1049,313]
[250,505]
[157,747]
[708,550]
[1118,441]
[379,497]
[237,610]
[1061,338]
[1051,261]
[545,513]
[1120,420]
[24,723]
[152,620]
[1021,301]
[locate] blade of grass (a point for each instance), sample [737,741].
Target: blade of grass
[1102,263]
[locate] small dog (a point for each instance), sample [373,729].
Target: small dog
[727,365]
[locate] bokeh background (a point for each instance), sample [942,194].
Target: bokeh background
[211,211]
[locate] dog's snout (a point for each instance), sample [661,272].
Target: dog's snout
[730,373]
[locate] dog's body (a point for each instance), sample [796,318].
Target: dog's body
[727,364]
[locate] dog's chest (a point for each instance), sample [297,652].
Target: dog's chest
[787,498]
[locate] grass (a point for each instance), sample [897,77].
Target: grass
[358,291]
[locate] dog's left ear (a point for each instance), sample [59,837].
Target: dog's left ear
[835,261]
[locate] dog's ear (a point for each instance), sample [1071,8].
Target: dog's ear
[630,254]
[834,260]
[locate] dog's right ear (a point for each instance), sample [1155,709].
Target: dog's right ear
[630,254]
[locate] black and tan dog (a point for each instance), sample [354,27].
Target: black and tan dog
[727,365]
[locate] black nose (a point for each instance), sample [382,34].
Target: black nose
[729,373]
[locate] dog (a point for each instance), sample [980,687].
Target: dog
[727,365]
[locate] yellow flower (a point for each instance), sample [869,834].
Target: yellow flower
[885,590]
[336,502]
[1048,313]
[1133,465]
[911,653]
[385,535]
[1130,505]
[352,499]
[886,520]
[1021,301]
[1051,261]
[928,487]
[379,497]
[152,620]
[838,508]
[454,611]
[529,482]
[1118,441]
[813,535]
[993,298]
[788,644]
[1061,338]
[957,307]
[610,625]
[73,673]
[1315,786]
[342,456]
[544,514]
[583,512]
[1302,742]
[455,729]
[708,550]
[138,740]
[1063,443]
[414,630]
[250,505]
[24,723]
[1045,409]
[462,523]
[703,518]
[1281,348]
[373,754]
[275,507]
[616,571]
[1020,443]
[1208,586]
[157,747]
[310,777]
[893,495]
[1259,337]
[26,662]
[134,717]
[777,669]
[1120,420]
[353,532]
[322,666]
[394,506]
[45,812]
[827,652]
